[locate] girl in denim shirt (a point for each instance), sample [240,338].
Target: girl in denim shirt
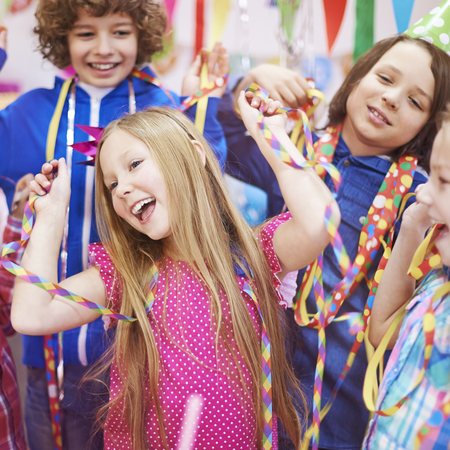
[387,106]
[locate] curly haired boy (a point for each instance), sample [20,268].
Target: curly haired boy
[103,40]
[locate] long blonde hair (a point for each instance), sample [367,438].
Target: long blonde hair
[206,226]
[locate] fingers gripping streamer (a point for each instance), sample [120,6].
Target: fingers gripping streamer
[331,227]
[52,288]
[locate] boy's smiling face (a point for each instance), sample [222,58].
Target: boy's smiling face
[103,49]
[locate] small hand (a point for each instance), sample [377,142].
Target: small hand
[218,65]
[57,188]
[416,216]
[21,196]
[250,107]
[283,84]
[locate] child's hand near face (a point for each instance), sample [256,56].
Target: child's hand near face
[416,216]
[218,65]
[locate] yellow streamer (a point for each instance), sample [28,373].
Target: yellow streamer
[202,104]
[54,124]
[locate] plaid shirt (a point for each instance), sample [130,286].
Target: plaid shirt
[12,233]
[425,402]
[11,431]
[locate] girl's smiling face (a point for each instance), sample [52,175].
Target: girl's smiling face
[103,50]
[137,189]
[392,103]
[436,192]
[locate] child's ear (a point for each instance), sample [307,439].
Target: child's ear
[201,150]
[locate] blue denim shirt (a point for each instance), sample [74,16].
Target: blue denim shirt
[345,424]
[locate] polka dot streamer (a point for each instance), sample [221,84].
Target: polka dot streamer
[330,224]
[380,221]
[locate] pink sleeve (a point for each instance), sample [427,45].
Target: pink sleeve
[100,258]
[266,240]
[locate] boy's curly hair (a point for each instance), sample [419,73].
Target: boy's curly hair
[57,17]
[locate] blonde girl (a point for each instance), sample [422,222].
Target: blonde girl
[161,199]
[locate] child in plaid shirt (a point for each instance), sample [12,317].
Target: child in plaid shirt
[11,430]
[423,421]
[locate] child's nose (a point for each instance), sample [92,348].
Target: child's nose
[104,46]
[123,189]
[391,99]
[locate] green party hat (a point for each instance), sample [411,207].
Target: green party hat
[434,27]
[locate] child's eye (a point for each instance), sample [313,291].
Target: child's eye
[443,181]
[415,103]
[122,33]
[384,78]
[85,35]
[112,186]
[134,164]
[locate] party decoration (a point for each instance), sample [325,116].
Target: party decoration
[266,374]
[334,13]
[221,9]
[427,256]
[199,25]
[402,12]
[331,227]
[170,7]
[365,23]
[434,27]
[27,226]
[89,148]
[19,5]
[288,11]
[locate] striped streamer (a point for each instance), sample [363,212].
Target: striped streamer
[266,374]
[52,288]
[330,224]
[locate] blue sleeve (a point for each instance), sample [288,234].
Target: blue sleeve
[6,158]
[213,131]
[3,57]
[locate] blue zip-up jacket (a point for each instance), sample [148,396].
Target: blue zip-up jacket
[345,424]
[23,134]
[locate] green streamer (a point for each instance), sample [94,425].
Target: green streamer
[364,31]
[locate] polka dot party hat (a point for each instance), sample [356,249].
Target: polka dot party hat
[434,27]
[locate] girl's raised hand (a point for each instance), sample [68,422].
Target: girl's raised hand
[54,190]
[218,65]
[250,108]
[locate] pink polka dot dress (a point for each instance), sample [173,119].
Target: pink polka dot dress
[202,398]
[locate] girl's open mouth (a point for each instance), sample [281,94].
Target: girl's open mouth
[143,209]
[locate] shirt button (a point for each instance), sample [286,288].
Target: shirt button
[346,163]
[362,219]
